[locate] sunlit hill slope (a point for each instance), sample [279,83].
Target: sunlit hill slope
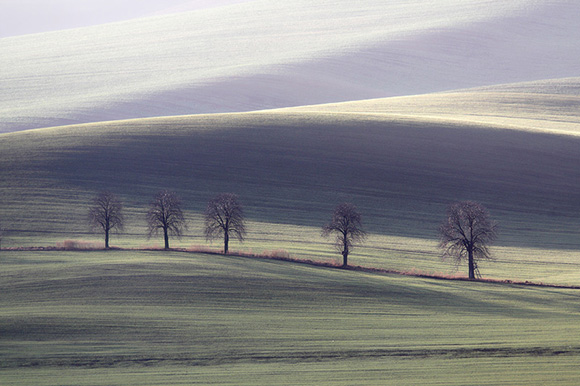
[263,54]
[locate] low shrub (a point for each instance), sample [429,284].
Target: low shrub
[78,245]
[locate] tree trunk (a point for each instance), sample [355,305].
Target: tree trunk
[226,242]
[166,237]
[345,258]
[471,265]
[344,249]
[107,229]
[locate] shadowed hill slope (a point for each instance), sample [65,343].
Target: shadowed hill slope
[292,168]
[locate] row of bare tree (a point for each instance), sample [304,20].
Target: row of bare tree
[465,235]
[224,217]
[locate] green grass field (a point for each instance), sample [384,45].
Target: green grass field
[151,318]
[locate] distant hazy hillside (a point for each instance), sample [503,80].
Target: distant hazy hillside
[35,16]
[267,54]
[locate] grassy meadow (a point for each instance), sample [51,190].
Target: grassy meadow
[150,318]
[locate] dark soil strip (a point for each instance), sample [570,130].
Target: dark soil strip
[289,357]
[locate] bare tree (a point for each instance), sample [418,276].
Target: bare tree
[105,214]
[467,233]
[224,216]
[346,224]
[165,215]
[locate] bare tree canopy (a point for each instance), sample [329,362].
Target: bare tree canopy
[224,216]
[105,214]
[467,233]
[165,215]
[346,224]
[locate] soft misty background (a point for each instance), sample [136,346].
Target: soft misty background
[205,57]
[20,17]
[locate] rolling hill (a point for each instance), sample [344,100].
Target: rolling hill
[263,54]
[291,166]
